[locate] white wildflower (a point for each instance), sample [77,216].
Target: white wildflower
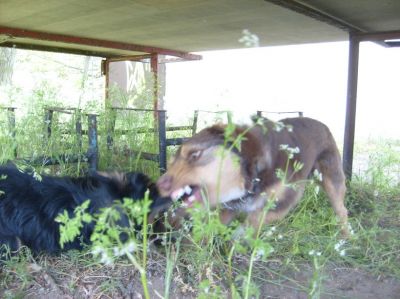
[317,175]
[278,126]
[97,250]
[105,259]
[126,248]
[117,251]
[283,147]
[339,245]
[270,231]
[314,253]
[316,189]
[350,229]
[289,150]
[260,253]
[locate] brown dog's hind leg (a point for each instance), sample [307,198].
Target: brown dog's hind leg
[333,182]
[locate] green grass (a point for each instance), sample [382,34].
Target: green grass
[214,262]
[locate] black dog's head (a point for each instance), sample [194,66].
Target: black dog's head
[134,185]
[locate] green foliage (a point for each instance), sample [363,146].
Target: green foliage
[70,227]
[217,261]
[109,240]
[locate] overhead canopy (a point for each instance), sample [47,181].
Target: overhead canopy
[176,27]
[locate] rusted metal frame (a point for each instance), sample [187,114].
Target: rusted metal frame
[111,129]
[195,119]
[162,141]
[61,110]
[47,161]
[171,60]
[138,58]
[176,141]
[93,149]
[134,154]
[143,130]
[48,119]
[105,69]
[137,109]
[68,39]
[351,105]
[78,128]
[54,49]
[12,128]
[154,70]
[161,130]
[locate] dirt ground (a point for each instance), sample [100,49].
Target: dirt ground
[124,282]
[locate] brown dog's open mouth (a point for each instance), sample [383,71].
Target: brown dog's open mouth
[188,195]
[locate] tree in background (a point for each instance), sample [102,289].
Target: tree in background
[7,58]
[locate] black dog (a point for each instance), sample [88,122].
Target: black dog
[29,204]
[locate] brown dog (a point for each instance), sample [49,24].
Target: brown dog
[216,168]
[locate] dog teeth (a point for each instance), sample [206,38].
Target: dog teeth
[187,189]
[178,194]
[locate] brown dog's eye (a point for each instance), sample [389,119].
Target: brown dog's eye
[194,156]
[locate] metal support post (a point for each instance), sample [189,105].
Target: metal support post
[93,152]
[348,143]
[162,140]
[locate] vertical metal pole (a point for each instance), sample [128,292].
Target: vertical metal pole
[11,124]
[93,152]
[195,119]
[349,130]
[48,118]
[111,127]
[162,141]
[78,128]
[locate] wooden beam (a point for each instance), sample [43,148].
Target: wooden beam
[45,36]
[352,81]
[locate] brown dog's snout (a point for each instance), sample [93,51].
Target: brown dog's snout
[164,183]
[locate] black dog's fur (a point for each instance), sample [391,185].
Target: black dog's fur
[29,205]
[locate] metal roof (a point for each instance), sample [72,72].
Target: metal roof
[177,27]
